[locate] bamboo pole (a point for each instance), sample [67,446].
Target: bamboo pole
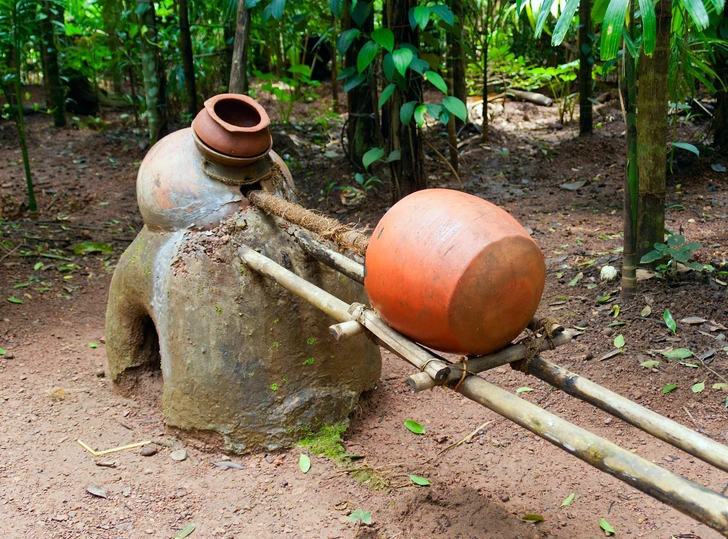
[661,427]
[331,258]
[344,330]
[684,495]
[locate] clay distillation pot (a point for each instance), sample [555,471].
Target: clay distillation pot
[233,125]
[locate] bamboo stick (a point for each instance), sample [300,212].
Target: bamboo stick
[684,495]
[344,330]
[514,352]
[661,427]
[331,258]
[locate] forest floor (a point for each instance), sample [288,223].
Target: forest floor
[53,390]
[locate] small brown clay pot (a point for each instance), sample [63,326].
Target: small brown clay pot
[234,125]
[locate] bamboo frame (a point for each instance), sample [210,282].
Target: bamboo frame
[684,495]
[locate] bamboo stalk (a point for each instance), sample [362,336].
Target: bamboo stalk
[684,495]
[344,330]
[331,258]
[661,427]
[514,352]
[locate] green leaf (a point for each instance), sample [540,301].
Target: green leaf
[697,12]
[699,387]
[276,8]
[421,15]
[37,266]
[421,481]
[386,94]
[444,12]
[345,39]
[669,321]
[562,25]
[304,463]
[456,107]
[649,25]
[2,353]
[402,59]
[384,37]
[576,279]
[668,388]
[93,345]
[650,364]
[353,82]
[619,341]
[719,386]
[414,426]
[436,81]
[15,300]
[652,256]
[613,28]
[337,8]
[606,526]
[678,353]
[532,517]
[523,390]
[687,146]
[543,14]
[647,311]
[365,517]
[185,532]
[367,53]
[419,115]
[92,247]
[372,155]
[568,500]
[405,112]
[394,155]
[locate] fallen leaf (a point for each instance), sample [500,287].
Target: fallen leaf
[619,341]
[606,526]
[669,387]
[421,481]
[610,355]
[96,491]
[720,386]
[186,531]
[414,426]
[699,387]
[693,320]
[533,517]
[647,311]
[568,500]
[523,389]
[717,167]
[651,364]
[573,186]
[304,463]
[669,321]
[229,464]
[678,353]
[576,279]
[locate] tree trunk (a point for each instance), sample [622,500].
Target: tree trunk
[153,87]
[586,59]
[334,72]
[407,172]
[240,49]
[52,73]
[720,120]
[111,14]
[188,64]
[361,129]
[652,135]
[631,179]
[457,57]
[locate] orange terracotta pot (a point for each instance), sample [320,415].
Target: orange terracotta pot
[234,125]
[454,272]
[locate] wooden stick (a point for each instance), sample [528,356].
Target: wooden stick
[661,427]
[114,450]
[344,330]
[331,258]
[452,169]
[694,500]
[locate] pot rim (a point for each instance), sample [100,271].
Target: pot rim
[248,101]
[225,159]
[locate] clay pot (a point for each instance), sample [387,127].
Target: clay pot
[234,125]
[454,272]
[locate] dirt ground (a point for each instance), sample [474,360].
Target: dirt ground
[53,391]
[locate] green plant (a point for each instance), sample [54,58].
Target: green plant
[360,517]
[559,79]
[327,442]
[674,250]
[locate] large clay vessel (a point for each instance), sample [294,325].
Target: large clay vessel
[454,272]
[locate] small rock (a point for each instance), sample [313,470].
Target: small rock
[608,421]
[96,491]
[9,355]
[100,373]
[608,332]
[582,324]
[59,518]
[126,492]
[149,450]
[179,455]
[269,459]
[284,483]
[505,497]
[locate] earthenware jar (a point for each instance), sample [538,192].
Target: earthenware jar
[233,125]
[454,272]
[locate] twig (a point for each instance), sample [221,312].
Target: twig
[115,449]
[713,372]
[455,172]
[11,252]
[697,426]
[468,437]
